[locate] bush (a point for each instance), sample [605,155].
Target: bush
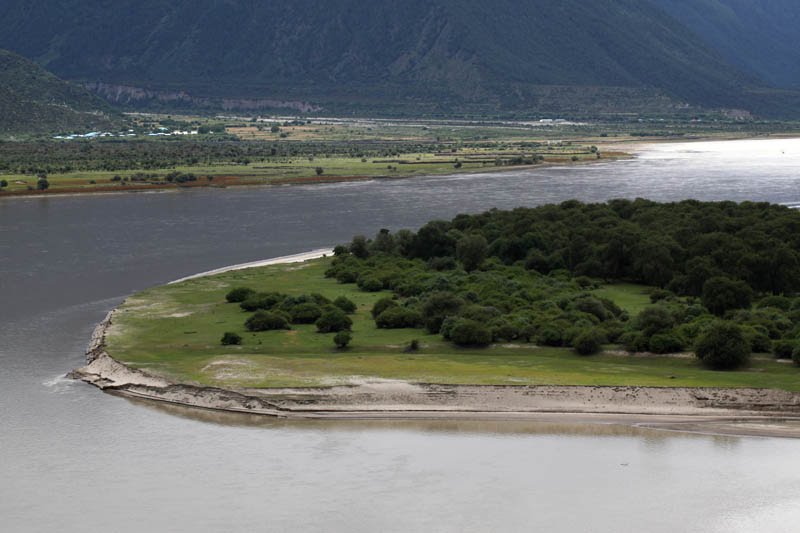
[437,307]
[796,356]
[635,342]
[662,343]
[654,319]
[342,339]
[550,336]
[231,339]
[588,342]
[370,284]
[398,317]
[721,294]
[723,346]
[333,320]
[266,321]
[470,333]
[382,305]
[305,313]
[784,349]
[239,294]
[345,304]
[779,302]
[263,301]
[412,347]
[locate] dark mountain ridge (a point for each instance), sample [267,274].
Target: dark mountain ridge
[534,56]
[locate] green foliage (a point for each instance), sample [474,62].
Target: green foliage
[796,355]
[382,305]
[723,347]
[3,184]
[471,250]
[465,332]
[722,294]
[333,320]
[231,339]
[783,349]
[396,317]
[345,304]
[263,301]
[266,321]
[437,307]
[239,295]
[588,342]
[342,339]
[305,313]
[663,343]
[655,319]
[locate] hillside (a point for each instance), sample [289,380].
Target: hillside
[34,101]
[599,56]
[759,37]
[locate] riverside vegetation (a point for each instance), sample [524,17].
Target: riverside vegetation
[549,295]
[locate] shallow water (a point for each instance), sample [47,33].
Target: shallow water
[75,459]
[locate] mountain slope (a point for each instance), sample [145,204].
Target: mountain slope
[34,101]
[505,54]
[759,37]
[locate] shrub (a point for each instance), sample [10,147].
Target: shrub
[382,305]
[370,284]
[413,346]
[397,317]
[342,339]
[654,319]
[723,346]
[239,294]
[796,356]
[783,349]
[263,301]
[230,339]
[659,294]
[442,263]
[588,342]
[437,307]
[779,302]
[550,336]
[305,313]
[721,294]
[333,320]
[345,304]
[470,333]
[635,342]
[662,343]
[266,321]
[593,306]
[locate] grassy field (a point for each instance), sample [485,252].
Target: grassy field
[175,331]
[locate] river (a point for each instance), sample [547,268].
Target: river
[75,459]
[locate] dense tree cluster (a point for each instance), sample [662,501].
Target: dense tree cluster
[277,311]
[526,275]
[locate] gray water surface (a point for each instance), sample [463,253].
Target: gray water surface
[75,459]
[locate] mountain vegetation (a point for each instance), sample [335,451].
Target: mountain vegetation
[545,56]
[34,101]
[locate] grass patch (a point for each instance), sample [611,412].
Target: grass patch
[175,331]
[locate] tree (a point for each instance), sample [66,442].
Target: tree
[723,346]
[439,306]
[654,319]
[467,332]
[333,320]
[239,294]
[231,339]
[3,184]
[721,294]
[266,321]
[320,171]
[42,184]
[305,313]
[471,251]
[588,342]
[345,304]
[342,339]
[359,247]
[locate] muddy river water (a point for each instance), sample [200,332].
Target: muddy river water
[75,459]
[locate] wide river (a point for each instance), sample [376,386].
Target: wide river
[75,459]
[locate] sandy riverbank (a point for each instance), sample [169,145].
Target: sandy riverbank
[758,412]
